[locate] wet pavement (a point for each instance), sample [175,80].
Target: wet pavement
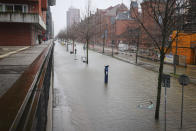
[82,102]
[6,51]
[12,66]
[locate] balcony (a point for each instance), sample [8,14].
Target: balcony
[52,2]
[30,18]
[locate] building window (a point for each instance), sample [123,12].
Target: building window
[9,8]
[1,8]
[25,8]
[18,8]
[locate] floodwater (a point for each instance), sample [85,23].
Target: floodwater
[82,102]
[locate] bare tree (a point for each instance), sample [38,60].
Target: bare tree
[61,35]
[133,36]
[72,34]
[85,28]
[163,14]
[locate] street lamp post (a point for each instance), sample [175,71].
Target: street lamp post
[184,81]
[166,84]
[138,40]
[112,48]
[103,42]
[105,37]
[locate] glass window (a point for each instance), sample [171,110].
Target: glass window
[1,8]
[18,8]
[9,8]
[25,9]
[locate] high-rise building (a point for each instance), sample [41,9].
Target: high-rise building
[49,25]
[73,16]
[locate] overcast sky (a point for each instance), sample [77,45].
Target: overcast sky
[59,11]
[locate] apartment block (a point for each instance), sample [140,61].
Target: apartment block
[22,22]
[73,16]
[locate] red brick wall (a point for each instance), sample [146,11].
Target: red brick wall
[122,26]
[33,8]
[14,34]
[44,5]
[149,24]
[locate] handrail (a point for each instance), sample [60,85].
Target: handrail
[17,103]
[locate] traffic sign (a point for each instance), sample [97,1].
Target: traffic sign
[166,81]
[184,80]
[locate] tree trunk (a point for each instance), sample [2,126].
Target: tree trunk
[159,85]
[137,49]
[73,46]
[103,43]
[87,51]
[176,52]
[136,56]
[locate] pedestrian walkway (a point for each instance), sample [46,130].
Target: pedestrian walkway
[14,61]
[6,51]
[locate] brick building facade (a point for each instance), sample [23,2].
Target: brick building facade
[106,23]
[22,22]
[115,23]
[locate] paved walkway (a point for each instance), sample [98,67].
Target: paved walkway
[190,70]
[6,51]
[14,61]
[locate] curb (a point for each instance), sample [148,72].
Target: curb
[49,124]
[174,76]
[13,52]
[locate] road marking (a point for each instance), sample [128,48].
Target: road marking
[13,52]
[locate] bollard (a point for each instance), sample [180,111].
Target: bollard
[106,74]
[75,51]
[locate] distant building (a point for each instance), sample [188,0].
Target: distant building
[106,23]
[190,18]
[73,16]
[23,23]
[150,24]
[49,25]
[186,43]
[126,24]
[186,48]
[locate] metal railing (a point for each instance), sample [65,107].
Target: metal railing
[29,108]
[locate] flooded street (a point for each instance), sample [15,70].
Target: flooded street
[82,102]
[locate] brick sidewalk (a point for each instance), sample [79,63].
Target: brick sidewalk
[14,62]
